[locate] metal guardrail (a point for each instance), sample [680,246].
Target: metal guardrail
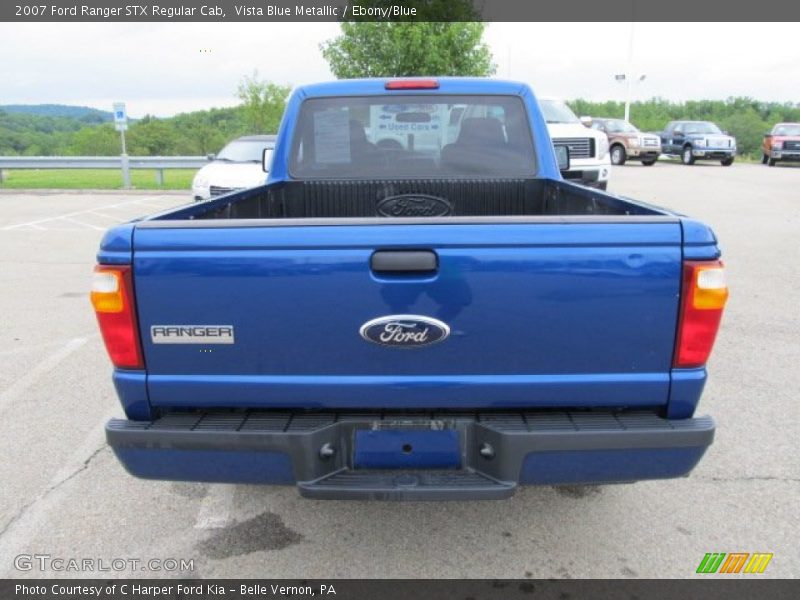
[123,163]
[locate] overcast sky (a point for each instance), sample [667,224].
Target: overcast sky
[160,69]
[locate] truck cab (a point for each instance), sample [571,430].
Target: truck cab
[698,140]
[447,320]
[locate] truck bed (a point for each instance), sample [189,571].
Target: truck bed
[413,198]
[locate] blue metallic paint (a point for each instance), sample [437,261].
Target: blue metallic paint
[699,242]
[539,468]
[406,449]
[685,391]
[559,292]
[411,391]
[213,466]
[116,247]
[131,388]
[608,466]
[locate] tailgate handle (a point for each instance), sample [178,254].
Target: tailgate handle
[404,261]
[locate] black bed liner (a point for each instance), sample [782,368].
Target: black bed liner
[413,198]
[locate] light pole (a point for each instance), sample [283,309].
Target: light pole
[628,76]
[629,73]
[629,80]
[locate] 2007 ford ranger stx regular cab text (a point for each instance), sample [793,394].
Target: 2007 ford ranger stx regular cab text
[418,321]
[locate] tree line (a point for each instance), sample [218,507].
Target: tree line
[204,132]
[190,134]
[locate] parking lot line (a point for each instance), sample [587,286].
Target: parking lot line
[90,226]
[37,224]
[32,348]
[16,389]
[104,215]
[150,204]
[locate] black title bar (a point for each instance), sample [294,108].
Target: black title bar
[144,11]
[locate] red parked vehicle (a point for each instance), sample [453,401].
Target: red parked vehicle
[781,144]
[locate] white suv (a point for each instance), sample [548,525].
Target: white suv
[589,162]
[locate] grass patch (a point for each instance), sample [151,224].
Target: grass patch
[95,179]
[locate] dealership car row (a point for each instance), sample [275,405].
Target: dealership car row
[612,141]
[693,140]
[594,143]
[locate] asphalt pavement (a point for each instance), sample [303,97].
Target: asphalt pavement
[65,496]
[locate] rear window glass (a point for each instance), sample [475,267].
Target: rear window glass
[244,151]
[418,136]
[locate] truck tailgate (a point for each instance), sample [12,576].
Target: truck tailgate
[559,313]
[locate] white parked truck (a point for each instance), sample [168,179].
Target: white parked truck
[590,163]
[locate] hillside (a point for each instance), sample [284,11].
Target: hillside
[84,114]
[47,130]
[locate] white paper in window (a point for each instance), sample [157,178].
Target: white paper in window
[332,136]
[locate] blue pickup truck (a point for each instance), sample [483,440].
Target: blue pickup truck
[440,318]
[698,140]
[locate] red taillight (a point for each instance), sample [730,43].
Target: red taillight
[112,298]
[412,84]
[703,297]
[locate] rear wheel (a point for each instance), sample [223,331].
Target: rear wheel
[687,157]
[618,156]
[771,162]
[649,163]
[727,162]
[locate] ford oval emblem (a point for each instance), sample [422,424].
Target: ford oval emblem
[414,205]
[404,331]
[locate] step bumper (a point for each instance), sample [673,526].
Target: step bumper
[425,456]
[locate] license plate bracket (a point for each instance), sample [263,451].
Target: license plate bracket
[407,449]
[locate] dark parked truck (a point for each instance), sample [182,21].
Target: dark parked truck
[446,320]
[698,140]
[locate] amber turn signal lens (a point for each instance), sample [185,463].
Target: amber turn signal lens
[703,296]
[711,288]
[107,296]
[113,301]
